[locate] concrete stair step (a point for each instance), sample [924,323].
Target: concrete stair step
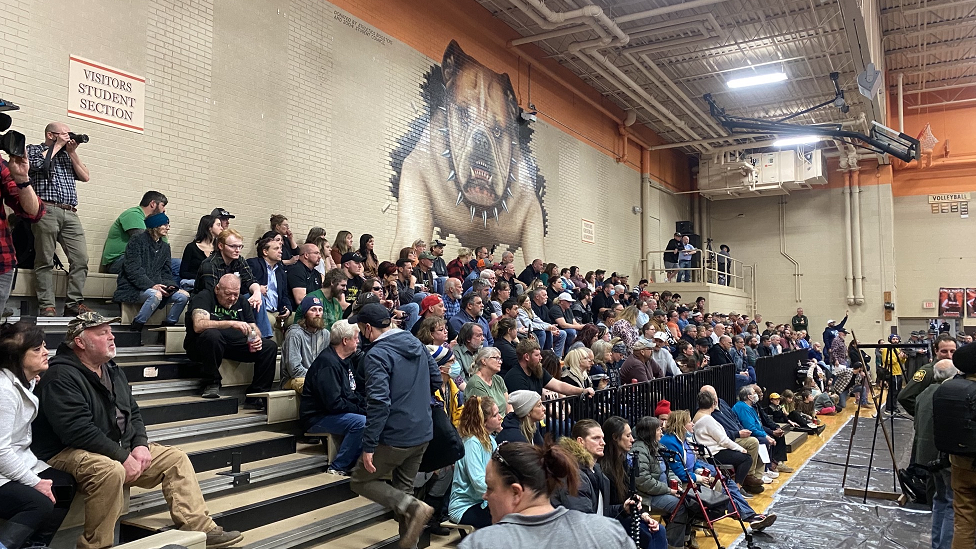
[180,408]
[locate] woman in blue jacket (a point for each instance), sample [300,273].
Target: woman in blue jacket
[678,430]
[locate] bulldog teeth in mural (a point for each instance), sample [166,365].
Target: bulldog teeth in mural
[465,165]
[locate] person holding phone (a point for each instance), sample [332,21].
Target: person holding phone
[147,276]
[34,497]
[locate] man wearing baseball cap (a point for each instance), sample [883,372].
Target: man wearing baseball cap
[563,316]
[662,356]
[90,425]
[432,305]
[395,436]
[224,217]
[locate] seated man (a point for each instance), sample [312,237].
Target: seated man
[452,297]
[221,325]
[303,342]
[471,309]
[269,272]
[127,225]
[432,305]
[89,425]
[226,258]
[147,276]
[333,296]
[563,317]
[303,276]
[330,402]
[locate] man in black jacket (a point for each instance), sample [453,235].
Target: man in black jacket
[719,354]
[89,425]
[330,403]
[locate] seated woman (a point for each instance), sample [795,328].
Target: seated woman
[522,423]
[798,419]
[678,429]
[485,381]
[615,464]
[653,478]
[35,497]
[576,370]
[480,421]
[147,275]
[710,433]
[520,478]
[198,249]
[587,445]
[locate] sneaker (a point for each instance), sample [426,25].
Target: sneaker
[255,404]
[218,537]
[746,495]
[342,473]
[48,312]
[767,480]
[436,529]
[136,326]
[784,468]
[416,517]
[211,391]
[76,309]
[759,522]
[772,474]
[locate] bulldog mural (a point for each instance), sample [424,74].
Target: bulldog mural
[465,166]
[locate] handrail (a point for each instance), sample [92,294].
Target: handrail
[707,271]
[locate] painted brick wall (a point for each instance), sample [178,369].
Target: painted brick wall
[282,106]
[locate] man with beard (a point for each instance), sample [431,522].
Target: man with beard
[530,375]
[303,342]
[452,297]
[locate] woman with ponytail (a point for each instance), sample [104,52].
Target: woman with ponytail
[521,478]
[480,420]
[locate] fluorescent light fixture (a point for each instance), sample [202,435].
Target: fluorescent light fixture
[798,140]
[745,82]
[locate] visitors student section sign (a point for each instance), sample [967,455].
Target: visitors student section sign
[106,95]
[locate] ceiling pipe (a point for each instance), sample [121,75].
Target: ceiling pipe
[624,83]
[901,102]
[708,140]
[589,13]
[619,20]
[855,175]
[943,104]
[783,252]
[848,261]
[661,77]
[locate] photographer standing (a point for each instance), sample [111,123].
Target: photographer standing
[54,168]
[17,193]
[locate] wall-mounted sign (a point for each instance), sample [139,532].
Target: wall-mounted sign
[928,304]
[951,302]
[971,302]
[105,95]
[588,231]
[949,197]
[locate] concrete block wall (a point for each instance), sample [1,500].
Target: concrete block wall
[281,106]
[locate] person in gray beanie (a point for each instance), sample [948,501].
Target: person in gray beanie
[522,423]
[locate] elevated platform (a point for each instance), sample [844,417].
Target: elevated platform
[717,297]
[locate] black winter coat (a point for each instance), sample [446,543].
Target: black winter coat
[147,263]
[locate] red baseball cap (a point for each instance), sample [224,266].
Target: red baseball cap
[428,302]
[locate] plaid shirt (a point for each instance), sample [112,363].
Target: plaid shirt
[214,267]
[451,306]
[9,194]
[58,187]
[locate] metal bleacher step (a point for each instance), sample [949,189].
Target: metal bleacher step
[218,453]
[794,439]
[147,391]
[263,472]
[122,352]
[320,526]
[189,430]
[159,369]
[377,536]
[254,507]
[180,408]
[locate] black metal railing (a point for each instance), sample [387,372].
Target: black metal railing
[636,400]
[778,373]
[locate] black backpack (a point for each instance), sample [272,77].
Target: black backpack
[954,415]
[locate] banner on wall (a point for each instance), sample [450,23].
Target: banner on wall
[971,302]
[106,95]
[951,302]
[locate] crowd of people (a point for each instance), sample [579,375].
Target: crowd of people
[396,357]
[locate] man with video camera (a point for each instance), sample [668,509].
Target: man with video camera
[17,193]
[54,168]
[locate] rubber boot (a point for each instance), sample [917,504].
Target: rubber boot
[13,535]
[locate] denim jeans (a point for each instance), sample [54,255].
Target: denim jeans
[942,512]
[684,275]
[559,342]
[544,337]
[150,303]
[350,426]
[6,286]
[568,335]
[439,284]
[413,315]
[261,319]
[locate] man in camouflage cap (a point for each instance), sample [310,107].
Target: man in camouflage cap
[90,426]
